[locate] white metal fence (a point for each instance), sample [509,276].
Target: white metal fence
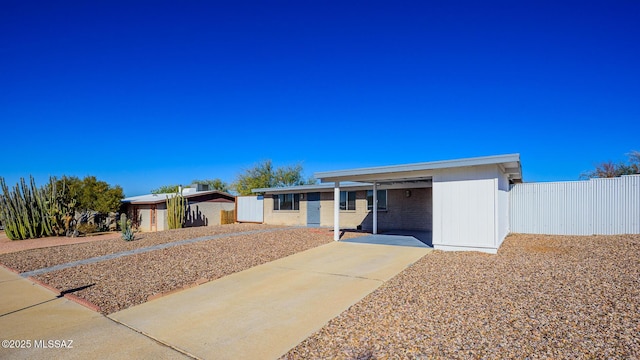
[249,209]
[596,206]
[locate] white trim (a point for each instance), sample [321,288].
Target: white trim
[346,200]
[487,250]
[419,170]
[375,208]
[336,211]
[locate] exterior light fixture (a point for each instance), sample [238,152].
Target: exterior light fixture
[407,193]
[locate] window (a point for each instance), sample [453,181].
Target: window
[347,200]
[382,199]
[286,202]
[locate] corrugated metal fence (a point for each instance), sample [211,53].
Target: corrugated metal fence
[596,206]
[249,209]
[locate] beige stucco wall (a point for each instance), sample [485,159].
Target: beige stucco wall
[144,217]
[206,213]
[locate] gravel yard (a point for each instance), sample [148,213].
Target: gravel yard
[45,257]
[540,297]
[129,280]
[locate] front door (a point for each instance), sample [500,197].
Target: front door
[313,209]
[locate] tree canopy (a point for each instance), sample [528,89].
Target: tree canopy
[264,175]
[90,194]
[166,189]
[214,184]
[610,169]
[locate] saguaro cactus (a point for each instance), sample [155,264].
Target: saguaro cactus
[176,207]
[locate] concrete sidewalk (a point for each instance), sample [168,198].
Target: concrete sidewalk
[35,315]
[263,312]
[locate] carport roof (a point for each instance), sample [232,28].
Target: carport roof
[509,163]
[310,188]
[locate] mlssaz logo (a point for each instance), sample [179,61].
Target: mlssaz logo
[53,344]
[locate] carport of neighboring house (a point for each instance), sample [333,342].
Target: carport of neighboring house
[462,204]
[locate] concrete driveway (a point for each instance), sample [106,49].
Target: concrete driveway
[265,311]
[50,327]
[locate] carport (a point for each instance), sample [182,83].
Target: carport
[470,197]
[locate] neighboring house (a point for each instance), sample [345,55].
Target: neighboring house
[463,203]
[149,212]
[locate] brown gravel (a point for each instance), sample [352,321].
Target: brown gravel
[8,246]
[540,297]
[45,257]
[129,280]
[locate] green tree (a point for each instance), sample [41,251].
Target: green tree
[166,189]
[610,169]
[214,184]
[95,195]
[264,175]
[89,194]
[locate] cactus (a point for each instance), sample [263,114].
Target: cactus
[123,221]
[125,228]
[59,212]
[176,207]
[23,210]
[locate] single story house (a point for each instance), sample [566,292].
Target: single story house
[149,212]
[463,203]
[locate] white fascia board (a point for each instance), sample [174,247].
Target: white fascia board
[311,188]
[394,171]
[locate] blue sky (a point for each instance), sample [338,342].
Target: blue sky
[146,93]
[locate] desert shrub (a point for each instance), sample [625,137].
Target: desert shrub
[86,228]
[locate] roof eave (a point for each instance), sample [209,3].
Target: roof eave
[381,171]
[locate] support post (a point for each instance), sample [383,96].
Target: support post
[375,207]
[336,211]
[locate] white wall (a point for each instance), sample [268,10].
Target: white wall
[503,209]
[250,209]
[469,211]
[596,206]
